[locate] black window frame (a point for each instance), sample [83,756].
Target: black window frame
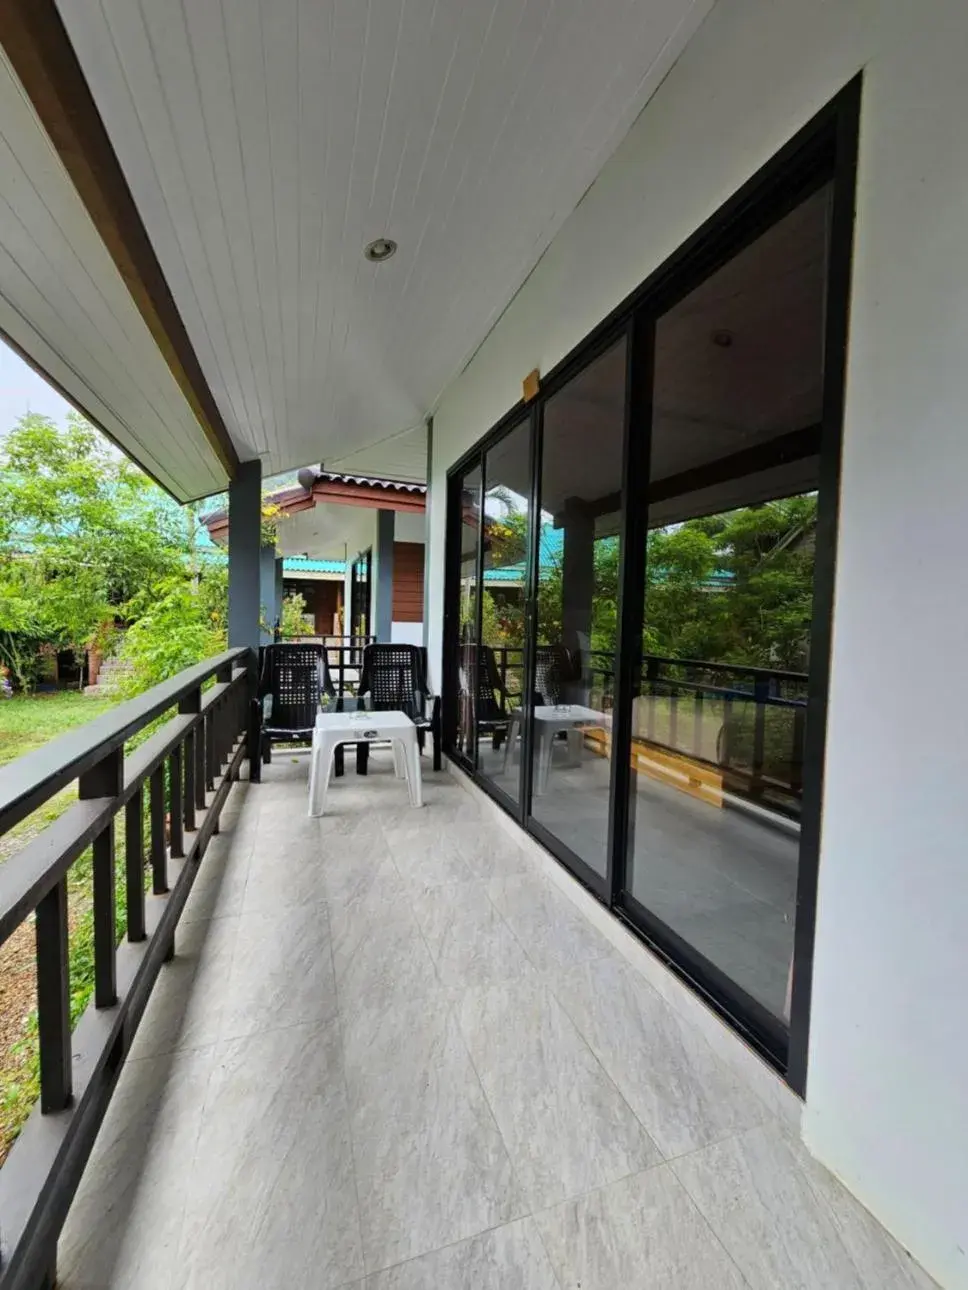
[360,592]
[824,151]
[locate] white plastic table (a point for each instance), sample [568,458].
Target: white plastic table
[549,721]
[335,728]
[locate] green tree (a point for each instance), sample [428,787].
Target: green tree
[22,629]
[293,619]
[732,588]
[735,587]
[83,532]
[176,625]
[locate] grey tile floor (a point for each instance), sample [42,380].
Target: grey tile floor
[391,1054]
[721,879]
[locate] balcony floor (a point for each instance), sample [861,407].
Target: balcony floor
[391,1052]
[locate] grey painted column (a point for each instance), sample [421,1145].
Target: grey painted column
[280,590]
[245,522]
[577,575]
[267,592]
[381,591]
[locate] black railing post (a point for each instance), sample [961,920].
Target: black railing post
[176,804]
[54,1000]
[189,795]
[238,723]
[724,748]
[651,689]
[134,864]
[156,812]
[105,779]
[254,723]
[210,767]
[190,706]
[200,765]
[697,718]
[761,695]
[214,758]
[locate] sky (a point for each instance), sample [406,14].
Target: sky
[22,390]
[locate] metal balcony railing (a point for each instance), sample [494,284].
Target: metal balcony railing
[747,721]
[187,766]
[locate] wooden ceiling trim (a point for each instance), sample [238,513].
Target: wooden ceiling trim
[40,52]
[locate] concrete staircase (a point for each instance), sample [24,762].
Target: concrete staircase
[110,677]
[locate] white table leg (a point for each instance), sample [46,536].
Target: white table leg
[414,775]
[320,773]
[313,770]
[512,735]
[399,759]
[546,741]
[576,743]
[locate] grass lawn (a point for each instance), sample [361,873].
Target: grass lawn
[27,723]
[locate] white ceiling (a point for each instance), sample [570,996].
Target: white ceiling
[401,456]
[266,142]
[63,302]
[709,401]
[327,531]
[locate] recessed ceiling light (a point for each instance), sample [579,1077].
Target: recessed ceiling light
[380,250]
[722,338]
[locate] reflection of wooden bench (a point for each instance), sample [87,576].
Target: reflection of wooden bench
[689,776]
[674,769]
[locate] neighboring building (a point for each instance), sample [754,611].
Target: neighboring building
[331,531]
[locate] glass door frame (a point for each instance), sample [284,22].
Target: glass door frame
[450,699]
[566,372]
[824,151]
[518,416]
[360,592]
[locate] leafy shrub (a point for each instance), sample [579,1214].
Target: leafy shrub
[293,622]
[177,623]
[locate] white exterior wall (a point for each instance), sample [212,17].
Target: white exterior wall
[406,633]
[411,526]
[887,1099]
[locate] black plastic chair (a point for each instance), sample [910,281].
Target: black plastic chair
[294,678]
[490,706]
[553,668]
[394,679]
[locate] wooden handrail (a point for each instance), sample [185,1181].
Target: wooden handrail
[32,779]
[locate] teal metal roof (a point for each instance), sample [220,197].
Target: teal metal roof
[513,573]
[291,563]
[302,564]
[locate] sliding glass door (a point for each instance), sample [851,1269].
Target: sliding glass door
[641,587]
[576,611]
[466,523]
[504,582]
[719,716]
